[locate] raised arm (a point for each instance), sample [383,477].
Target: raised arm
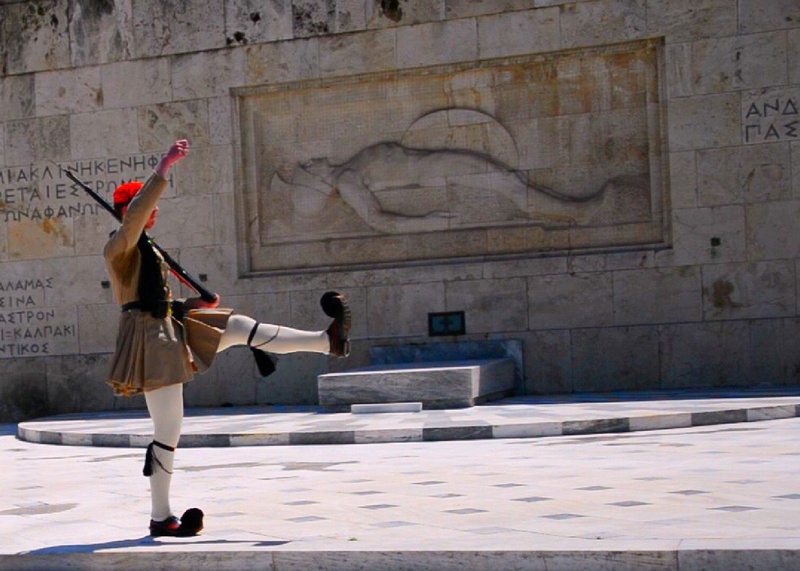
[143,204]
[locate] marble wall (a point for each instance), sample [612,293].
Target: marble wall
[103,87]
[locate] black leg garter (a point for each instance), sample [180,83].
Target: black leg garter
[150,459]
[265,363]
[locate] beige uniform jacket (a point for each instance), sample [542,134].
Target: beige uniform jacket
[153,352]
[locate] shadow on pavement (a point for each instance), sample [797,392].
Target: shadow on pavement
[145,541]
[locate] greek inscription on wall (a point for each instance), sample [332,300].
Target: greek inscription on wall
[771,116]
[28,328]
[40,192]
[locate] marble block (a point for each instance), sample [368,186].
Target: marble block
[452,384]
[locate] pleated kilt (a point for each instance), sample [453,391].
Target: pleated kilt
[156,352]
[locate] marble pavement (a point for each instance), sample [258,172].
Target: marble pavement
[717,495]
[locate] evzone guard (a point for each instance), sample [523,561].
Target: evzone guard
[163,342]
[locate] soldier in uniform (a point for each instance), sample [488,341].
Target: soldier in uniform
[163,342]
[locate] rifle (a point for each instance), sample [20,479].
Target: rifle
[174,266]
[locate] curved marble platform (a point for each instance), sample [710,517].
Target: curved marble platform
[520,417]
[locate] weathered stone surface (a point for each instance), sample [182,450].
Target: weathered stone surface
[681,20]
[467,8]
[572,121]
[18,97]
[282,61]
[703,122]
[68,289]
[220,120]
[524,267]
[738,175]
[772,230]
[136,83]
[403,310]
[749,291]
[386,276]
[697,232]
[517,33]
[224,210]
[39,239]
[160,125]
[704,354]
[313,18]
[774,346]
[437,43]
[553,301]
[407,13]
[185,222]
[548,362]
[210,173]
[104,133]
[657,295]
[755,16]
[357,53]
[64,92]
[23,392]
[489,305]
[75,384]
[35,140]
[207,74]
[683,180]
[795,152]
[588,263]
[37,36]
[441,384]
[216,262]
[255,21]
[177,27]
[740,62]
[678,61]
[793,51]
[615,358]
[351,15]
[596,23]
[100,32]
[97,326]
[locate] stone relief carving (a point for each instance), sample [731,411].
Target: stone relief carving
[392,166]
[538,153]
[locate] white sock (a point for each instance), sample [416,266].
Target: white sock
[273,338]
[166,409]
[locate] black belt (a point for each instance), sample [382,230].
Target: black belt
[159,309]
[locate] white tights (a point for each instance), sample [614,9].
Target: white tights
[165,405]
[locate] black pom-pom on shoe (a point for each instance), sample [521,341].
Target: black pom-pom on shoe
[191,522]
[335,305]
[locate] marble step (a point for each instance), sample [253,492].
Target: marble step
[450,384]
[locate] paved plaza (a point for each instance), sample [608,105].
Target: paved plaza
[721,495]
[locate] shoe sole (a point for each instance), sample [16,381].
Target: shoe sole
[335,305]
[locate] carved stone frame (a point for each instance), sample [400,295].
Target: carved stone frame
[513,240]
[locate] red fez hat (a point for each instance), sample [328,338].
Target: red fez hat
[125,192]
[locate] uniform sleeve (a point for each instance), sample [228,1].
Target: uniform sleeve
[133,223]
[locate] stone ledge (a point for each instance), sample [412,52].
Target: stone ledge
[664,556]
[453,384]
